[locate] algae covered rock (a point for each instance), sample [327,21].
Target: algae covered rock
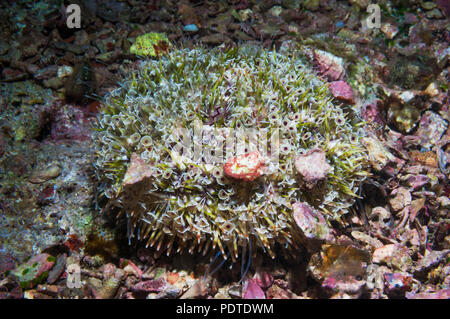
[151,44]
[216,134]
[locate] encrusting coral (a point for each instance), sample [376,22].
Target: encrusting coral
[176,201]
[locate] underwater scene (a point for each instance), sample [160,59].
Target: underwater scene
[229,149]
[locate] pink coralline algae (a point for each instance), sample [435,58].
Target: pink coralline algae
[312,167]
[342,91]
[245,167]
[252,290]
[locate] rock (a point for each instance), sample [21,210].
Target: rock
[340,268]
[434,14]
[417,181]
[312,167]
[7,263]
[431,128]
[390,30]
[64,71]
[54,83]
[366,239]
[396,283]
[46,73]
[342,91]
[155,285]
[440,294]
[34,271]
[290,4]
[329,65]
[312,5]
[402,198]
[252,290]
[198,289]
[215,39]
[312,225]
[245,167]
[151,44]
[190,28]
[276,292]
[380,158]
[394,255]
[130,268]
[431,259]
[263,278]
[48,173]
[58,269]
[444,202]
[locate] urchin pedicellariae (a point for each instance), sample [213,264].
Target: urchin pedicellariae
[172,200]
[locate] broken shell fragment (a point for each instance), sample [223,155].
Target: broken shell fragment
[41,176]
[137,171]
[312,167]
[246,167]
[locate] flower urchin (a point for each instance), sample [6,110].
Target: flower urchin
[183,199]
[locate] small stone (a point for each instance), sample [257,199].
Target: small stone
[440,294]
[366,239]
[393,255]
[245,167]
[34,294]
[41,176]
[130,268]
[431,128]
[342,91]
[252,290]
[379,156]
[397,282]
[444,202]
[432,89]
[198,289]
[340,268]
[312,5]
[34,271]
[156,285]
[431,259]
[428,5]
[151,44]
[215,39]
[264,279]
[276,292]
[58,269]
[401,198]
[417,181]
[390,30]
[54,83]
[312,224]
[434,14]
[329,65]
[64,71]
[190,28]
[312,167]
